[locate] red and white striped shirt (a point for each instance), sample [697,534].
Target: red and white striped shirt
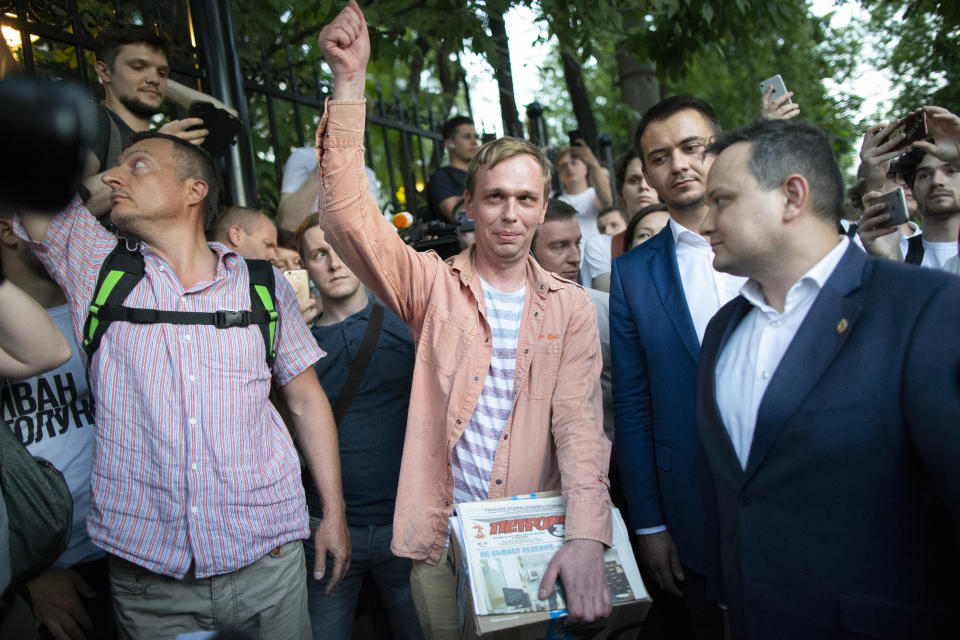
[192,463]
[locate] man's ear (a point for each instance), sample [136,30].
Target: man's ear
[468,203]
[796,190]
[103,72]
[235,235]
[196,191]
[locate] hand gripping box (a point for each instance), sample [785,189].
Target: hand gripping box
[499,550]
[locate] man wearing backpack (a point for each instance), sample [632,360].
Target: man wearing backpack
[195,490]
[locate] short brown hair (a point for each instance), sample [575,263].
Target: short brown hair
[115,36]
[309,222]
[505,148]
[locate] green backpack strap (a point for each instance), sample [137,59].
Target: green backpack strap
[119,274]
[263,298]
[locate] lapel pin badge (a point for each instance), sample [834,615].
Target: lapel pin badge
[842,326]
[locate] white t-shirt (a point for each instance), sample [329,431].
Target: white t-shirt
[302,162]
[597,255]
[585,203]
[52,414]
[936,254]
[474,452]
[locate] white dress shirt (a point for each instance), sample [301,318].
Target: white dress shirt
[705,289]
[756,347]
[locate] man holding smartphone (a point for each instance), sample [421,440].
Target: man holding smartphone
[133,69]
[935,182]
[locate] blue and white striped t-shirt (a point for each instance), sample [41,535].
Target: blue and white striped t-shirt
[474,452]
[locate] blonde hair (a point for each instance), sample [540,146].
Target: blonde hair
[505,148]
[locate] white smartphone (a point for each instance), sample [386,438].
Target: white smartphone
[896,207]
[778,87]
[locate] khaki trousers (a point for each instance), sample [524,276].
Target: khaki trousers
[267,598]
[434,591]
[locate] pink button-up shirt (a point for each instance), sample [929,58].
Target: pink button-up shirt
[554,438]
[192,463]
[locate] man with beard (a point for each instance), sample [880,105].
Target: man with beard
[133,70]
[662,294]
[936,187]
[180,389]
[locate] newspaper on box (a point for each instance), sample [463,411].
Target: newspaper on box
[509,543]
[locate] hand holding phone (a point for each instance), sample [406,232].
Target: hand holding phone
[775,103]
[896,203]
[222,125]
[913,127]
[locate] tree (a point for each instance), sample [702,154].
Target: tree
[925,56]
[725,72]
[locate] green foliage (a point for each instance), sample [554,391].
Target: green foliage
[805,53]
[725,72]
[925,57]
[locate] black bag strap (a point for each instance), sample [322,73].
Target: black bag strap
[124,268]
[263,290]
[914,250]
[359,367]
[119,274]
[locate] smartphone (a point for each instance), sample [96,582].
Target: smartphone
[779,88]
[300,282]
[574,136]
[914,127]
[222,125]
[896,206]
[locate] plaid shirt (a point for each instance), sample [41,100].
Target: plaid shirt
[192,463]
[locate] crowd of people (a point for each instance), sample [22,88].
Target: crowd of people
[753,362]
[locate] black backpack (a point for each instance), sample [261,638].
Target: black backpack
[123,269]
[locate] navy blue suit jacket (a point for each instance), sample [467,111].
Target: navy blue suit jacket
[654,349]
[844,522]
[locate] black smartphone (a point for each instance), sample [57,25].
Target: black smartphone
[914,127]
[574,136]
[222,125]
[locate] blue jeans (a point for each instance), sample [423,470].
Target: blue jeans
[331,617]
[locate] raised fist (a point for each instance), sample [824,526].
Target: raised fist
[346,47]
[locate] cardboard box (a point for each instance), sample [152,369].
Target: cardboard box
[623,623]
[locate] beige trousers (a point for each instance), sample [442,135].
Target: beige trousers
[267,598]
[434,591]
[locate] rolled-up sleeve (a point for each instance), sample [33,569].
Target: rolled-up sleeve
[583,451]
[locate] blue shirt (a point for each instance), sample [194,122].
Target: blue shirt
[371,433]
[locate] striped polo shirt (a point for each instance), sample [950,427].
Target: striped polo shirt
[474,452]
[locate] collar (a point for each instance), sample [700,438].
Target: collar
[813,280]
[538,278]
[682,235]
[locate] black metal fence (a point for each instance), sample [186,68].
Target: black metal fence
[278,92]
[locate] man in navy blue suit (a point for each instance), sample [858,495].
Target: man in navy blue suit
[828,408]
[662,295]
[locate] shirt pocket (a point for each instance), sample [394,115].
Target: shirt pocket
[543,370]
[444,340]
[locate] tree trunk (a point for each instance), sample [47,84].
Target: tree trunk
[449,74]
[579,98]
[501,67]
[639,86]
